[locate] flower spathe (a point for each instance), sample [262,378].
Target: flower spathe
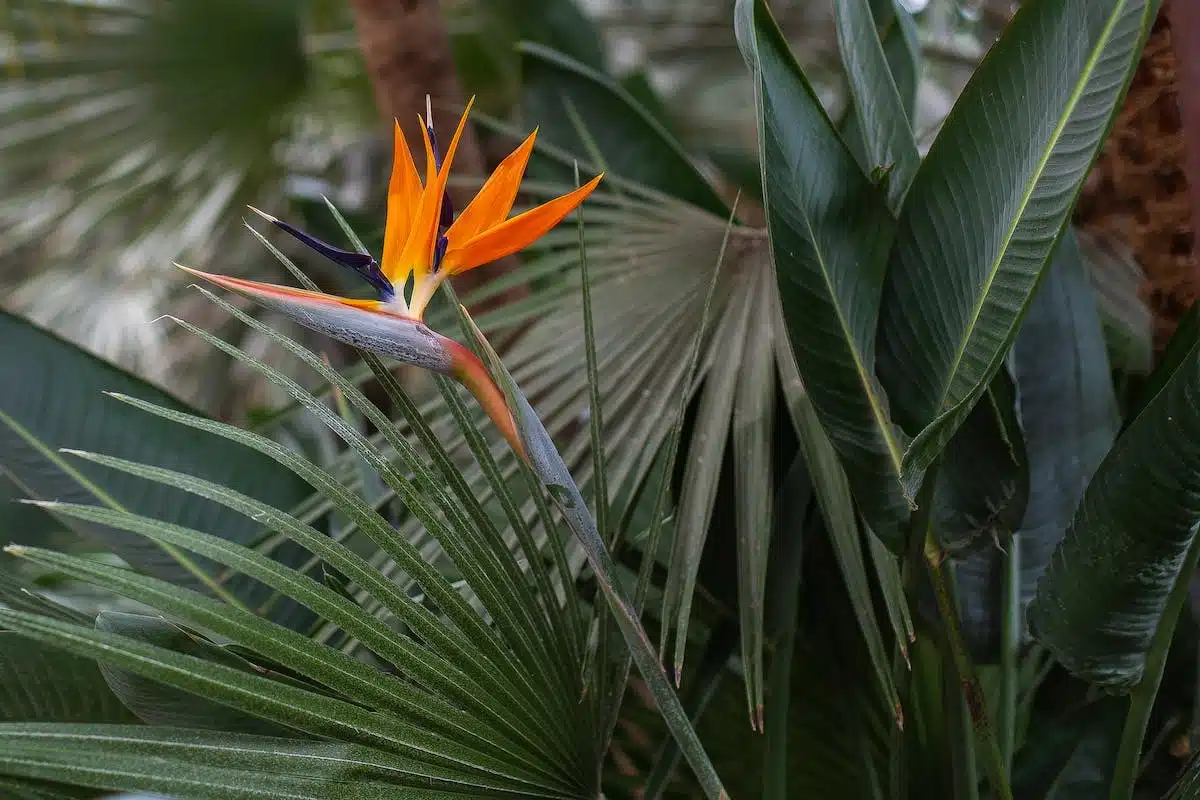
[425,242]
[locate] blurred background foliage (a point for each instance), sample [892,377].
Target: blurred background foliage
[134,133]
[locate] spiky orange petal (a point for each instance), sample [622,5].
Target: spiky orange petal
[418,250]
[517,233]
[404,197]
[241,285]
[496,197]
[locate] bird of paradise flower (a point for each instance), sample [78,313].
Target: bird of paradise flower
[424,240]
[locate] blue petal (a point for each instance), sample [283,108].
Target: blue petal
[361,263]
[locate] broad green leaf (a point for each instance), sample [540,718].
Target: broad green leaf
[632,142]
[20,594]
[829,231]
[981,494]
[1117,279]
[206,764]
[1071,757]
[897,32]
[1069,417]
[1103,596]
[989,203]
[883,119]
[41,684]
[51,397]
[157,704]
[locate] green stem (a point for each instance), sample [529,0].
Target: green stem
[962,740]
[1011,631]
[1141,699]
[972,693]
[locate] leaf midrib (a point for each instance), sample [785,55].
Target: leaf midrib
[882,424]
[1065,118]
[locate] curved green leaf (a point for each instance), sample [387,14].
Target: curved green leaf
[41,684]
[989,203]
[981,495]
[51,397]
[882,118]
[419,755]
[157,704]
[1102,598]
[204,764]
[559,94]
[1069,417]
[830,270]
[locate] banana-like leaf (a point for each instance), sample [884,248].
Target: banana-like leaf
[883,120]
[51,397]
[1069,417]
[897,33]
[981,496]
[989,203]
[1117,279]
[1104,594]
[41,684]
[830,274]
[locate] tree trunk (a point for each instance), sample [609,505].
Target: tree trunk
[408,55]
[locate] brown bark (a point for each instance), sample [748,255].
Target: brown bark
[1138,191]
[407,53]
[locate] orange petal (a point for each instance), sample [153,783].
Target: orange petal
[404,196]
[471,372]
[255,289]
[495,199]
[418,250]
[518,232]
